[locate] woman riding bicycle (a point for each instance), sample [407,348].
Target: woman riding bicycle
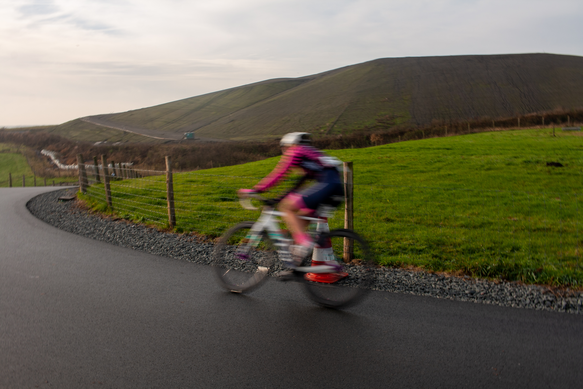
[314,165]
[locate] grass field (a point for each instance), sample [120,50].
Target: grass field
[14,163]
[484,204]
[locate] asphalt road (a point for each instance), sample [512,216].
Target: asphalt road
[77,313]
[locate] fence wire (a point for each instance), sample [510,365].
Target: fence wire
[31,180]
[481,232]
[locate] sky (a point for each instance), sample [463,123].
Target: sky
[65,59]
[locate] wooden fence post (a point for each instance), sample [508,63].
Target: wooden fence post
[106,181]
[348,210]
[82,174]
[10,180]
[170,193]
[97,178]
[34,178]
[45,181]
[105,167]
[23,181]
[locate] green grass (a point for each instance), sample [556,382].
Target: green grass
[14,163]
[484,204]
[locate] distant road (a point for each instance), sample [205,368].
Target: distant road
[101,121]
[77,313]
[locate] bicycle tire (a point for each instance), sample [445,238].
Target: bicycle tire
[238,274]
[350,289]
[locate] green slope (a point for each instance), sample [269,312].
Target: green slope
[412,90]
[483,204]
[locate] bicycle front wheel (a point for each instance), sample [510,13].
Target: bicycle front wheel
[242,261]
[355,274]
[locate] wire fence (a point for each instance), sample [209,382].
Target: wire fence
[487,233]
[203,203]
[518,235]
[28,180]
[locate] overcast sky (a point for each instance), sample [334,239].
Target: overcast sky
[64,59]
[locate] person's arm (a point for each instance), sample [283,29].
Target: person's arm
[287,162]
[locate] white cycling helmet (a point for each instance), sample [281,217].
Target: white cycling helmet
[295,138]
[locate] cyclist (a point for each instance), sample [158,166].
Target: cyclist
[315,165]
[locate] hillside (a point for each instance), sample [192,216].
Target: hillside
[414,91]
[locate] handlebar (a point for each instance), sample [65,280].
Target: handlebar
[245,200]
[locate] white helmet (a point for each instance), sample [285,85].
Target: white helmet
[295,138]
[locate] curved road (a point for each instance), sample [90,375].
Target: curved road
[77,313]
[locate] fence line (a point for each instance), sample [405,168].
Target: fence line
[432,226]
[30,181]
[150,194]
[348,210]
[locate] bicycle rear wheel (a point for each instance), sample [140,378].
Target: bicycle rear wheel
[242,263]
[350,284]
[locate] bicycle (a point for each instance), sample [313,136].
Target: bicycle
[246,255]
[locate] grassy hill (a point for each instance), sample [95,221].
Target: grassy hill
[416,91]
[484,204]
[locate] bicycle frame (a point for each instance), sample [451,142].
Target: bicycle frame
[247,253]
[268,222]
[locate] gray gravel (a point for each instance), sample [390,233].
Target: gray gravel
[69,217]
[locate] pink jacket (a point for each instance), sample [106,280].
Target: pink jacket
[309,159]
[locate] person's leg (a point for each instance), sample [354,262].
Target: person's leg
[305,202]
[292,207]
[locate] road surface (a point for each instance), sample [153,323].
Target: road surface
[77,313]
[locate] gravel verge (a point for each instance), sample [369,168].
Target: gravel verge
[68,216]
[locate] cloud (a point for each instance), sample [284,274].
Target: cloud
[40,15]
[35,8]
